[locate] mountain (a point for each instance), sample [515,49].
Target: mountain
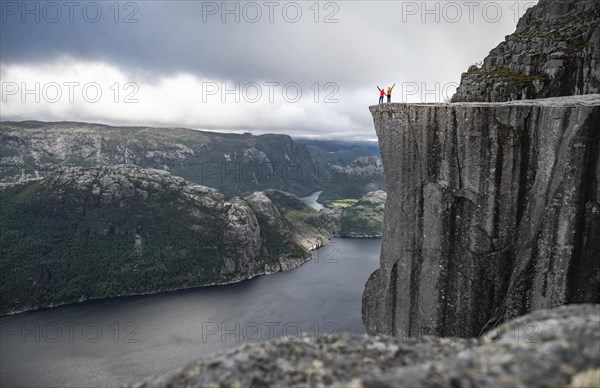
[233,164]
[365,217]
[349,169]
[236,165]
[363,175]
[86,233]
[555,51]
[339,152]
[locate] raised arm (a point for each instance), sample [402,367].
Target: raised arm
[393,86]
[378,88]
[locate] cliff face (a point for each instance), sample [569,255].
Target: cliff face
[555,51]
[84,233]
[493,210]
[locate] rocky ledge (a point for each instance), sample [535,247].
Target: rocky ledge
[547,348]
[493,210]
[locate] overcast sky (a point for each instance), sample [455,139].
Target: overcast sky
[302,68]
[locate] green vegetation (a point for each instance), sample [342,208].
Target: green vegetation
[61,243]
[302,217]
[363,217]
[6,151]
[343,203]
[362,176]
[282,234]
[510,77]
[60,248]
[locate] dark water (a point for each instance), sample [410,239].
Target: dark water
[119,340]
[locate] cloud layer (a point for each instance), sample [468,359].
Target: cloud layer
[302,68]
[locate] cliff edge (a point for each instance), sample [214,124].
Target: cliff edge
[493,210]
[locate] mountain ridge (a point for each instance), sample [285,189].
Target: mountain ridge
[235,164]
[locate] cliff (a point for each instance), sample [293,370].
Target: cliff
[548,348]
[493,210]
[86,233]
[555,51]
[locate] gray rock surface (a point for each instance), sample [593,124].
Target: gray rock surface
[493,210]
[241,239]
[555,51]
[547,348]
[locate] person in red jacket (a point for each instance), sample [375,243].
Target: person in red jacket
[381,95]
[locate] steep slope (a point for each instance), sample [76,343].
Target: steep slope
[233,164]
[493,210]
[308,227]
[84,233]
[555,51]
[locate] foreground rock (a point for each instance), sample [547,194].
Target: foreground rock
[555,51]
[493,210]
[547,348]
[85,233]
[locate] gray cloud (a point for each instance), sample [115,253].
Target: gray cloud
[372,43]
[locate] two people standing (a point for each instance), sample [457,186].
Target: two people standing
[383,93]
